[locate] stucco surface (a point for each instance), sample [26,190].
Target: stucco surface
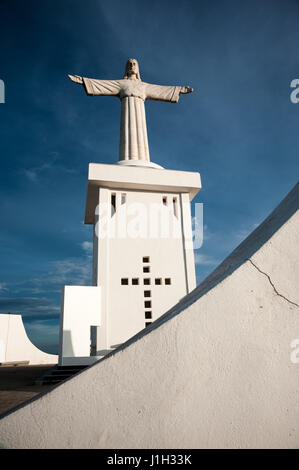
[213,372]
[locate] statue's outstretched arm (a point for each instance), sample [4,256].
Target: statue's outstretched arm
[94,86]
[165,93]
[76,79]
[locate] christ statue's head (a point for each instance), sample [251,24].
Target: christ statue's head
[132,69]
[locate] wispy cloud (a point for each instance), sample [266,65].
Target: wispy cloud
[37,311]
[242,233]
[68,271]
[31,174]
[36,172]
[207,234]
[29,307]
[205,260]
[71,270]
[46,328]
[87,247]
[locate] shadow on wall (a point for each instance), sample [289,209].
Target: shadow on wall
[68,349]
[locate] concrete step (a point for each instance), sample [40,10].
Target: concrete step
[65,372]
[58,374]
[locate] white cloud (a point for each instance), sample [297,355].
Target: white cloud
[31,175]
[41,327]
[87,247]
[29,306]
[243,233]
[70,271]
[205,260]
[34,173]
[207,235]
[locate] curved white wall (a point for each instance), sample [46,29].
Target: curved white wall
[213,372]
[16,346]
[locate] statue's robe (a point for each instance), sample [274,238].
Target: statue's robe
[132,93]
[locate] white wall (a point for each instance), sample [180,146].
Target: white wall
[121,256]
[16,346]
[80,309]
[214,372]
[164,235]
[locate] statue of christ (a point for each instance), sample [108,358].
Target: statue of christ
[132,92]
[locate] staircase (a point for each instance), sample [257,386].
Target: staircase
[58,374]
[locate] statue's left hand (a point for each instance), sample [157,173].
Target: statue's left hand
[186,89]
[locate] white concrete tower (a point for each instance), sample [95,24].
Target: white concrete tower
[143,260]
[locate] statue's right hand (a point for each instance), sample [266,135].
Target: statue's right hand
[76,79]
[186,89]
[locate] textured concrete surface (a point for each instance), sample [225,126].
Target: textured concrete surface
[213,372]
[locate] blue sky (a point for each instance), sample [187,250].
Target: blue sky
[239,128]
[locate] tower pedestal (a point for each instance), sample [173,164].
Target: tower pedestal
[143,261]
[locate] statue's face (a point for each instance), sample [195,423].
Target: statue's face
[132,67]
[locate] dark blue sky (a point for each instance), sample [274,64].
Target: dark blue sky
[239,128]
